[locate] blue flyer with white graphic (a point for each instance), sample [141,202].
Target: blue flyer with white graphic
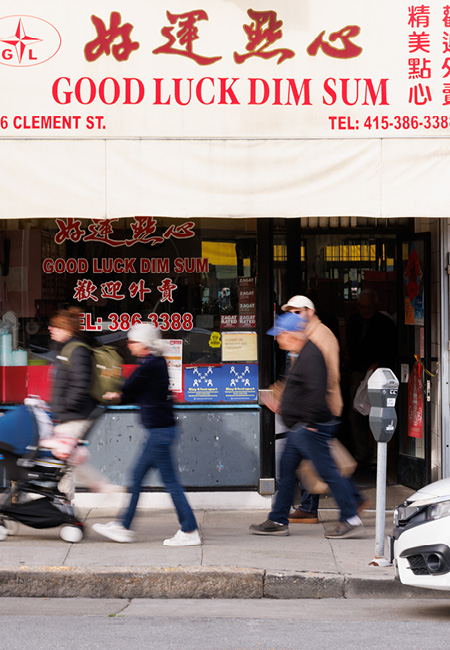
[203,384]
[239,382]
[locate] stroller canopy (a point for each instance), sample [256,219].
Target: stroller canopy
[18,430]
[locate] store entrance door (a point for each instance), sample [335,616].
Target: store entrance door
[333,268]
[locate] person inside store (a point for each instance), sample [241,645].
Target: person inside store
[311,425]
[371,343]
[148,387]
[71,403]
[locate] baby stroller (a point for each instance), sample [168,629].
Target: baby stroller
[32,475]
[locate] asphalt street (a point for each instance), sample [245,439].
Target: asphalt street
[61,624]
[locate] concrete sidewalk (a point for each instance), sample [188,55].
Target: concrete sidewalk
[230,564]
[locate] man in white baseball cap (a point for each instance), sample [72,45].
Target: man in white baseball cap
[298,303]
[327,343]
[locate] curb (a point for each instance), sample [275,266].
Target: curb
[195,583]
[178,582]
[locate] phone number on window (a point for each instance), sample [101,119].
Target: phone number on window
[407,122]
[123,322]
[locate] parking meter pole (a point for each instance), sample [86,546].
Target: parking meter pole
[383,390]
[381,500]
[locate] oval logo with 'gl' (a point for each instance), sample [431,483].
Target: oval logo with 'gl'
[27,41]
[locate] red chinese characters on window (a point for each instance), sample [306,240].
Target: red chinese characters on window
[100,231]
[84,290]
[104,43]
[143,230]
[70,229]
[138,289]
[112,290]
[349,50]
[419,16]
[186,35]
[166,288]
[183,231]
[262,33]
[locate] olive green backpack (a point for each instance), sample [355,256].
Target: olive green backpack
[106,369]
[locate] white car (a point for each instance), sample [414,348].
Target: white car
[420,542]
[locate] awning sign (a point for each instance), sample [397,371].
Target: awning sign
[158,69]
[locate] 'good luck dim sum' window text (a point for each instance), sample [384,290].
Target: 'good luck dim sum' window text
[194,279]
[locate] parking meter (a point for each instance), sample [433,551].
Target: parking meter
[383,391]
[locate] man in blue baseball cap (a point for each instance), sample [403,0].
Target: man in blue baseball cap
[311,425]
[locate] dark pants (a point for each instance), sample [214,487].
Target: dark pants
[313,445]
[157,454]
[310,502]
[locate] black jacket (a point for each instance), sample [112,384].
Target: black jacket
[304,397]
[71,398]
[148,386]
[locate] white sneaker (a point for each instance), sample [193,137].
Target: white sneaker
[115,531]
[184,539]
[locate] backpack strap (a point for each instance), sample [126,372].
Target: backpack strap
[67,350]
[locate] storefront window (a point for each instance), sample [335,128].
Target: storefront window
[196,280]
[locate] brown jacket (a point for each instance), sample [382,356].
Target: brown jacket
[328,344]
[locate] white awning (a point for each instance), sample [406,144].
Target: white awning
[225,178]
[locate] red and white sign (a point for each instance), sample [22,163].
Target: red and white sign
[247,322]
[228,321]
[31,41]
[415,402]
[222,69]
[247,301]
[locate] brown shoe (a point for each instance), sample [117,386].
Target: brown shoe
[344,529]
[302,517]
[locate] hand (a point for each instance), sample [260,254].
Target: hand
[271,403]
[112,396]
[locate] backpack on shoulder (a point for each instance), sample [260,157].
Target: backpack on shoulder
[106,368]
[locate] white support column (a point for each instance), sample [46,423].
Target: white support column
[444,264]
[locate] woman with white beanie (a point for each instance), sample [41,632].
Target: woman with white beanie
[148,386]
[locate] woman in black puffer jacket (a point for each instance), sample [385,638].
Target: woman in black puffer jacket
[71,402]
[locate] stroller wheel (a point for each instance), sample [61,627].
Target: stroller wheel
[12,527]
[3,533]
[71,534]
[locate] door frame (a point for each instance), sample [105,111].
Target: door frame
[415,472]
[444,260]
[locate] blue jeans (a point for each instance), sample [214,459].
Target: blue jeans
[313,445]
[310,502]
[157,454]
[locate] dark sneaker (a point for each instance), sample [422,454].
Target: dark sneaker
[344,529]
[300,516]
[269,527]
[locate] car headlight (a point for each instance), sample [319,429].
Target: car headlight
[440,510]
[403,514]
